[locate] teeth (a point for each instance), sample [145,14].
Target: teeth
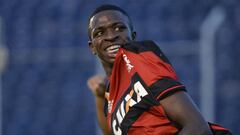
[113,51]
[113,48]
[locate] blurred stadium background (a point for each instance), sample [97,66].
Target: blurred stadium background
[43,85]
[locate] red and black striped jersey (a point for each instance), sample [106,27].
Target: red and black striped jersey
[141,77]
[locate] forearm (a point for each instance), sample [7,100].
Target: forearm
[102,121]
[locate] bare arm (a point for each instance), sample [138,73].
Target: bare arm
[97,86]
[180,108]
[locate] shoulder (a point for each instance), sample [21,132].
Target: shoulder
[140,47]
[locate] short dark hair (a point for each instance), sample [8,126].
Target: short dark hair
[109,7]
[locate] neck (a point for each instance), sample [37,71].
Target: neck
[107,68]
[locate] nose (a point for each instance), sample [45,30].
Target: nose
[111,35]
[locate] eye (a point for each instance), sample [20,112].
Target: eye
[98,33]
[119,28]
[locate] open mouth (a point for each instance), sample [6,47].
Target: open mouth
[113,49]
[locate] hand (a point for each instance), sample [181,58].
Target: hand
[97,85]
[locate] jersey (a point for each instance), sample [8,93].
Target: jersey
[141,77]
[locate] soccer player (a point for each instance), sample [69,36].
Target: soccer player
[144,96]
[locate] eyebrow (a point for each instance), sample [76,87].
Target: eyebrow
[110,25]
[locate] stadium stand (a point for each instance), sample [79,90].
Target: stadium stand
[44,87]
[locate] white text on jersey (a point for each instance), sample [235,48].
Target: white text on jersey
[128,63]
[128,101]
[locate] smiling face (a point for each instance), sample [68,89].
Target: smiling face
[108,31]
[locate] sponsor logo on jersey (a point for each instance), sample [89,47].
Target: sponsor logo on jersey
[132,98]
[128,63]
[110,104]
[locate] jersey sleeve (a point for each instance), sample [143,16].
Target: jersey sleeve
[155,69]
[219,130]
[165,87]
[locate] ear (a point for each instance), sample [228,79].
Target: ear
[91,46]
[134,35]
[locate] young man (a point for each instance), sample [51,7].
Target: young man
[144,95]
